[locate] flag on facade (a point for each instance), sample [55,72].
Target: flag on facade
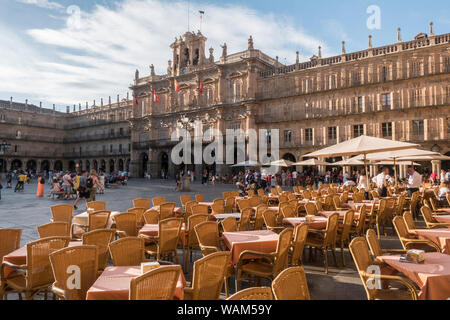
[177,86]
[201,86]
[155,97]
[135,98]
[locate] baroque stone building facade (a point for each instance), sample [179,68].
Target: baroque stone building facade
[399,91]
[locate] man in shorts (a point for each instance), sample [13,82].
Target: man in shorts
[67,185]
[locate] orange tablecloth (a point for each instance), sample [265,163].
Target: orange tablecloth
[442,219]
[114,284]
[319,223]
[152,230]
[265,241]
[438,236]
[275,209]
[433,277]
[357,206]
[19,257]
[444,210]
[326,214]
[177,210]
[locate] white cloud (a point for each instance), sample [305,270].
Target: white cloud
[43,4]
[70,65]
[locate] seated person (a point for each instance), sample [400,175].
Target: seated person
[444,189]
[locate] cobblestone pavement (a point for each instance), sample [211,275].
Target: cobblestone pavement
[23,210]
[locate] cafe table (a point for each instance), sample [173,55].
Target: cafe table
[176,210]
[114,284]
[83,218]
[433,277]
[442,218]
[319,223]
[19,257]
[438,236]
[275,209]
[443,210]
[342,213]
[223,216]
[264,241]
[152,230]
[356,206]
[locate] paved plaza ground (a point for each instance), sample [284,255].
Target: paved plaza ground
[24,211]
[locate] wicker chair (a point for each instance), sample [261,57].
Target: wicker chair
[271,221]
[430,220]
[382,216]
[329,204]
[358,228]
[375,248]
[96,221]
[54,229]
[208,277]
[139,212]
[261,294]
[229,224]
[166,210]
[218,206]
[128,251]
[168,239]
[62,213]
[325,239]
[184,199]
[298,244]
[344,232]
[289,212]
[126,225]
[151,217]
[245,219]
[101,239]
[291,284]
[63,261]
[229,204]
[188,209]
[199,198]
[414,203]
[337,203]
[200,209]
[265,265]
[361,256]
[158,201]
[254,201]
[37,275]
[259,220]
[409,241]
[9,242]
[191,241]
[409,221]
[142,203]
[96,205]
[251,193]
[261,192]
[158,284]
[311,209]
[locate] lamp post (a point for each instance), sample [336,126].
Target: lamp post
[186,124]
[3,147]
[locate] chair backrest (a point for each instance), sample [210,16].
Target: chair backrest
[274,191]
[142,203]
[9,241]
[208,276]
[151,216]
[199,198]
[331,230]
[329,204]
[259,220]
[289,212]
[298,244]
[169,234]
[229,224]
[251,193]
[101,239]
[402,230]
[158,284]
[270,219]
[192,222]
[374,245]
[188,207]
[319,204]
[362,259]
[291,284]
[245,219]
[218,206]
[311,209]
[139,212]
[39,270]
[409,221]
[260,192]
[427,214]
[96,205]
[361,220]
[54,229]
[284,243]
[63,262]
[307,194]
[229,204]
[254,201]
[185,199]
[126,222]
[283,198]
[243,204]
[128,251]
[62,213]
[347,224]
[337,201]
[167,210]
[158,201]
[208,237]
[200,209]
[99,220]
[262,294]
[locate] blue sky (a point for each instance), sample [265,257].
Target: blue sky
[52,56]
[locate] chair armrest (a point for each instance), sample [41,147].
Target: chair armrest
[209,248]
[143,236]
[427,242]
[259,255]
[62,294]
[12,266]
[411,286]
[393,251]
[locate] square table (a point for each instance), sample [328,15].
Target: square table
[319,223]
[114,284]
[443,210]
[357,206]
[83,218]
[176,210]
[433,277]
[438,236]
[264,241]
[223,216]
[442,219]
[275,209]
[342,213]
[152,230]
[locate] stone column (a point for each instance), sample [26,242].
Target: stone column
[436,166]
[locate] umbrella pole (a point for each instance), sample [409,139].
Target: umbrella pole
[395,171]
[367,172]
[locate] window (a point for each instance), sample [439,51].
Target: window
[2,117]
[386,129]
[104,149]
[111,133]
[358,130]
[121,131]
[16,148]
[81,150]
[418,128]
[447,64]
[269,136]
[288,136]
[332,133]
[384,72]
[18,134]
[356,76]
[360,104]
[309,135]
[416,68]
[110,148]
[120,148]
[129,147]
[386,99]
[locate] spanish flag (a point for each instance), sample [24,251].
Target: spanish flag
[136,102]
[177,86]
[155,97]
[201,86]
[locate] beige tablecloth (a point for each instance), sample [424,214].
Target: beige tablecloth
[83,218]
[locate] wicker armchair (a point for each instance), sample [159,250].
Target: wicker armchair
[298,244]
[142,203]
[430,220]
[158,284]
[208,277]
[409,221]
[62,213]
[127,252]
[126,225]
[184,199]
[158,201]
[338,205]
[96,205]
[291,284]
[229,204]
[200,209]
[167,241]
[375,247]
[361,256]
[229,224]
[101,239]
[289,212]
[218,206]
[344,232]
[63,261]
[36,275]
[245,219]
[191,241]
[358,228]
[151,217]
[139,212]
[260,192]
[96,221]
[259,220]
[199,198]
[251,193]
[264,265]
[54,229]
[255,201]
[188,209]
[261,294]
[167,210]
[409,241]
[325,239]
[270,221]
[9,242]
[311,209]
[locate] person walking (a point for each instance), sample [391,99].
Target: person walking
[67,185]
[9,180]
[41,185]
[92,184]
[83,192]
[414,181]
[381,181]
[21,179]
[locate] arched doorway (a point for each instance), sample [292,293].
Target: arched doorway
[143,160]
[58,166]
[103,166]
[2,165]
[16,164]
[112,165]
[289,157]
[88,166]
[120,164]
[446,164]
[164,161]
[72,165]
[95,165]
[127,165]
[31,165]
[45,166]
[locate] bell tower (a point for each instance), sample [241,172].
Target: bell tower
[188,52]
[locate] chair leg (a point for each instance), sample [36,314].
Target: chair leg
[176,256]
[342,254]
[325,259]
[227,292]
[238,280]
[333,251]
[186,260]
